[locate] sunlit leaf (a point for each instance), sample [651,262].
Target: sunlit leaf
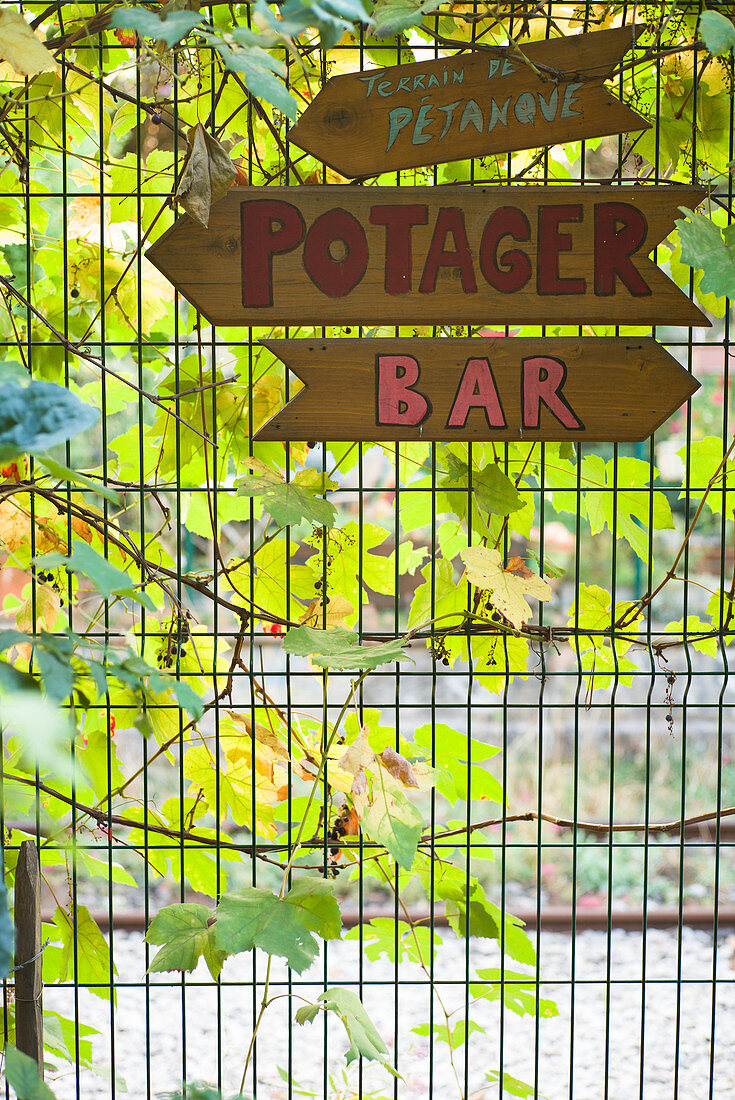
[365,1040]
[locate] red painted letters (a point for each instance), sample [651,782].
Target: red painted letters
[396,400]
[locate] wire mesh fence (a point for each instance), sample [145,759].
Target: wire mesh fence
[569,773]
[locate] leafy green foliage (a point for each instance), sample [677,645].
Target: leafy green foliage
[168,28]
[292,501]
[708,247]
[23,1077]
[107,579]
[338,648]
[394,16]
[365,1042]
[253,917]
[200,1092]
[38,416]
[91,964]
[717,31]
[512,1085]
[212,563]
[187,934]
[517,991]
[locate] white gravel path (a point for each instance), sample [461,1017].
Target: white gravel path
[692,1011]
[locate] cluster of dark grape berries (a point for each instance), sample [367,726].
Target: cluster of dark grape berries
[440,652]
[176,645]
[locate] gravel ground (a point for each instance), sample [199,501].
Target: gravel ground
[677,1029]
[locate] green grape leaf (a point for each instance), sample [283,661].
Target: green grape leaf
[260,74]
[494,492]
[702,460]
[517,991]
[393,821]
[332,18]
[170,28]
[288,502]
[717,31]
[107,578]
[512,1085]
[38,416]
[92,964]
[455,1036]
[62,473]
[186,932]
[710,249]
[365,1041]
[200,1092]
[23,1077]
[7,933]
[393,16]
[253,917]
[339,648]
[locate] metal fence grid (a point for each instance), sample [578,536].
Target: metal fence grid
[659,748]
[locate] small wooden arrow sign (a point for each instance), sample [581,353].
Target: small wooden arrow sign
[469,105]
[588,389]
[431,255]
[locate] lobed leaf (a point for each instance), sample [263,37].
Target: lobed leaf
[338,648]
[365,1040]
[254,917]
[186,933]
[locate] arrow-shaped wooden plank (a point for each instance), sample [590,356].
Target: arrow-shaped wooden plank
[585,389]
[431,255]
[469,105]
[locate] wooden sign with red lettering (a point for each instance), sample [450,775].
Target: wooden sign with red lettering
[510,388]
[439,255]
[469,105]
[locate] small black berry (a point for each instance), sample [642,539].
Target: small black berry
[669,718]
[156,119]
[311,444]
[671,679]
[74,292]
[182,653]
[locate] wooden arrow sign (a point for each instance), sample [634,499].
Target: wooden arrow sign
[510,388]
[468,105]
[431,255]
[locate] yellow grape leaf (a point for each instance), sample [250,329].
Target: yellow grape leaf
[359,755]
[15,526]
[507,589]
[340,612]
[264,735]
[48,603]
[19,46]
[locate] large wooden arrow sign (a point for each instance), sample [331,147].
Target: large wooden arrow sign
[587,389]
[468,105]
[389,255]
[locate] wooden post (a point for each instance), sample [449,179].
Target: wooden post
[28,960]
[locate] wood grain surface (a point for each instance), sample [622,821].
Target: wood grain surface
[469,105]
[509,388]
[431,255]
[28,961]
